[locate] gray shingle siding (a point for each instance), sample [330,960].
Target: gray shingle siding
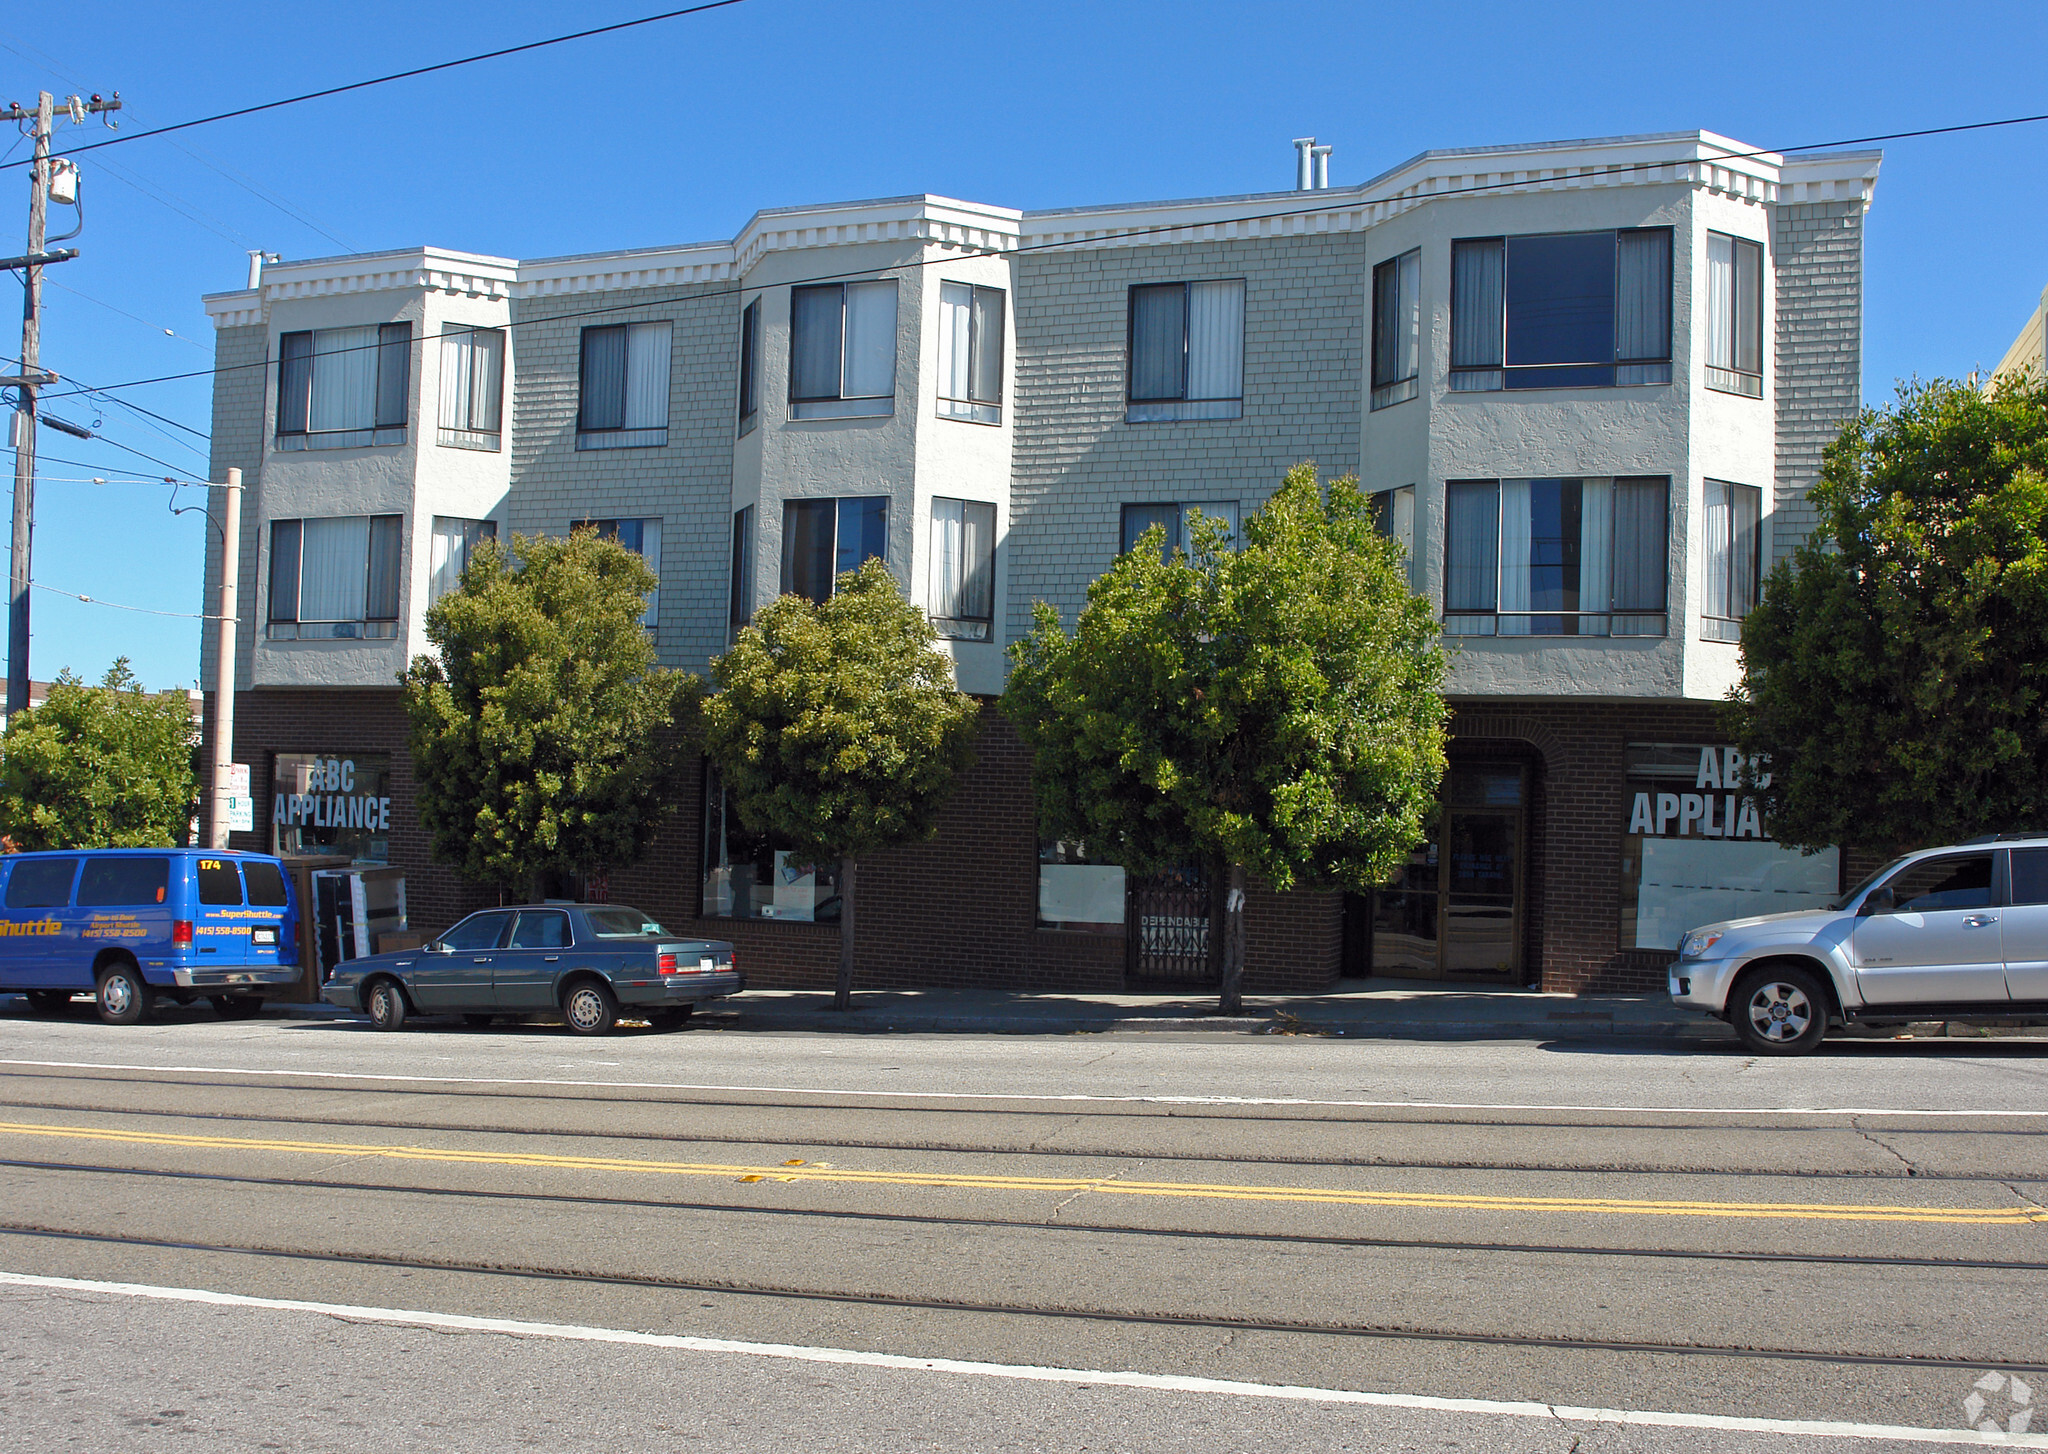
[238,390]
[1819,349]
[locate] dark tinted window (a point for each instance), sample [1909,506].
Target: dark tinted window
[41,883]
[548,930]
[478,931]
[1963,882]
[266,884]
[219,882]
[125,881]
[2030,875]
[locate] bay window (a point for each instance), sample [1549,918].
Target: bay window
[1564,557]
[1734,551]
[334,578]
[472,386]
[341,388]
[1186,351]
[842,350]
[750,366]
[741,609]
[963,565]
[1561,310]
[1735,315]
[1172,518]
[623,387]
[643,538]
[823,539]
[971,353]
[1396,329]
[1393,515]
[455,541]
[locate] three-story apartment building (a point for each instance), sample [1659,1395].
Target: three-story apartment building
[1587,383]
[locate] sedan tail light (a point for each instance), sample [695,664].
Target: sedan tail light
[181,931]
[666,963]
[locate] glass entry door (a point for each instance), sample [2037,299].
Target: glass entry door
[1454,911]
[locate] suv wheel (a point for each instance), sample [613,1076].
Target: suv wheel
[1779,1010]
[123,997]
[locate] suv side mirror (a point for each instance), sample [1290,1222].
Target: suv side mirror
[1878,901]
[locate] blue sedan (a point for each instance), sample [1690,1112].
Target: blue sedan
[587,962]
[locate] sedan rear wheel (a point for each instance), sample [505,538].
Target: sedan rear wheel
[1780,1010]
[590,1008]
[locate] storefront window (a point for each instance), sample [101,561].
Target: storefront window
[332,803]
[1694,850]
[1078,893]
[754,875]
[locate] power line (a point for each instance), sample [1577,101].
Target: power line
[116,605]
[490,55]
[1124,234]
[131,317]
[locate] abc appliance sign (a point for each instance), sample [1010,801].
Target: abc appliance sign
[331,801]
[1724,812]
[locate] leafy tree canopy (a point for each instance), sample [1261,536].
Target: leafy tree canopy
[543,734]
[1276,707]
[109,766]
[1894,674]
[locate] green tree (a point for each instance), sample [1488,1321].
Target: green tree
[1274,709]
[109,766]
[544,737]
[837,729]
[1894,674]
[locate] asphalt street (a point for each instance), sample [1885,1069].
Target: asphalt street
[304,1235]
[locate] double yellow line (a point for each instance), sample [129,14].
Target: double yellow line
[800,1171]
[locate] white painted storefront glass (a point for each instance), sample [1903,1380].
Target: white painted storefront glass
[1687,882]
[962,600]
[334,569]
[344,380]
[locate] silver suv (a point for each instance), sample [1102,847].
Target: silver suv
[1958,932]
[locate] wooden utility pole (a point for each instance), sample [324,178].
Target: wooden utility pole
[32,375]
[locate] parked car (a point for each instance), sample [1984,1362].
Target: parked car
[589,962]
[1954,932]
[135,924]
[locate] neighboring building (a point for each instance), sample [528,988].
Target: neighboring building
[1589,383]
[2029,350]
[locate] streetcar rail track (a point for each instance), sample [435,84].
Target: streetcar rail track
[1136,1317]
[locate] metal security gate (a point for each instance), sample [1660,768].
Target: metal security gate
[1167,933]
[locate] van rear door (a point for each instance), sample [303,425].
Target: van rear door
[273,928]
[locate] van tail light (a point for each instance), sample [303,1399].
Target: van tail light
[666,963]
[181,931]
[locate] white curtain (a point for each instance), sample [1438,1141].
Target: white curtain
[487,378]
[956,340]
[1471,557]
[1596,553]
[1720,530]
[1409,313]
[1720,301]
[344,379]
[1223,510]
[870,367]
[457,382]
[1216,340]
[1516,530]
[1477,269]
[334,568]
[650,551]
[1642,298]
[948,525]
[647,356]
[1404,527]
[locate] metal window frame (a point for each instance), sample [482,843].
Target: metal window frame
[1504,378]
[1609,614]
[1756,564]
[740,600]
[468,436]
[1741,382]
[275,624]
[841,397]
[975,344]
[1131,344]
[995,510]
[1379,383]
[750,365]
[379,433]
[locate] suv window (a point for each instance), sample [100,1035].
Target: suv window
[1961,882]
[41,883]
[266,884]
[548,930]
[478,931]
[219,882]
[124,881]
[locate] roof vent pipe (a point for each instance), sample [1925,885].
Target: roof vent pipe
[1322,160]
[257,258]
[1304,176]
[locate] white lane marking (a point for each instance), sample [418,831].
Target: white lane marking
[1063,1097]
[1161,1382]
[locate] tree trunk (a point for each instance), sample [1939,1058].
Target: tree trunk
[1233,942]
[842,992]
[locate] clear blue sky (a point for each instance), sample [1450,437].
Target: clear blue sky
[678,132]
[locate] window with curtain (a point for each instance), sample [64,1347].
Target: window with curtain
[1735,315]
[963,569]
[823,539]
[341,388]
[1734,551]
[335,578]
[643,538]
[1561,310]
[1393,515]
[1186,351]
[1396,329]
[1561,557]
[623,388]
[842,350]
[472,386]
[750,356]
[1172,518]
[455,540]
[741,609]
[971,353]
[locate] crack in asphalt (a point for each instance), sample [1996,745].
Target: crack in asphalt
[1068,1200]
[1892,1151]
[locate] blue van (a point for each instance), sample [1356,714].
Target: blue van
[130,924]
